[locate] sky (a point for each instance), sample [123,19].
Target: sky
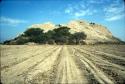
[17,15]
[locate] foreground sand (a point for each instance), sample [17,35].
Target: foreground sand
[49,64]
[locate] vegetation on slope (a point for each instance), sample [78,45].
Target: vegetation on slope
[59,35]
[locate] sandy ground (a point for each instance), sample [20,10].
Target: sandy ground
[62,64]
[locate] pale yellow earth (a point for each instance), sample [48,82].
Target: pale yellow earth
[62,64]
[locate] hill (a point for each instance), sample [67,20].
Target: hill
[94,33]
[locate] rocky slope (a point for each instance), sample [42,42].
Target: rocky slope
[96,33]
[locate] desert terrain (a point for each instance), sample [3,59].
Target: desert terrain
[62,64]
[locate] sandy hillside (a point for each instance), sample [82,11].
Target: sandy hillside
[95,32]
[45,64]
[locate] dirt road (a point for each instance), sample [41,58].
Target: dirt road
[62,64]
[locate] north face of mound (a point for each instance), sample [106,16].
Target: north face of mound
[96,33]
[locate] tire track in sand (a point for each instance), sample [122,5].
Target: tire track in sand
[43,72]
[97,73]
[68,71]
[98,57]
[113,71]
[26,56]
[15,74]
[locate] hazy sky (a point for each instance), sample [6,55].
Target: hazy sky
[17,15]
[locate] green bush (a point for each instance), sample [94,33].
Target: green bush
[33,32]
[59,35]
[77,38]
[22,40]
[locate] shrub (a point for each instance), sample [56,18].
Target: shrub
[22,40]
[59,35]
[77,38]
[33,32]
